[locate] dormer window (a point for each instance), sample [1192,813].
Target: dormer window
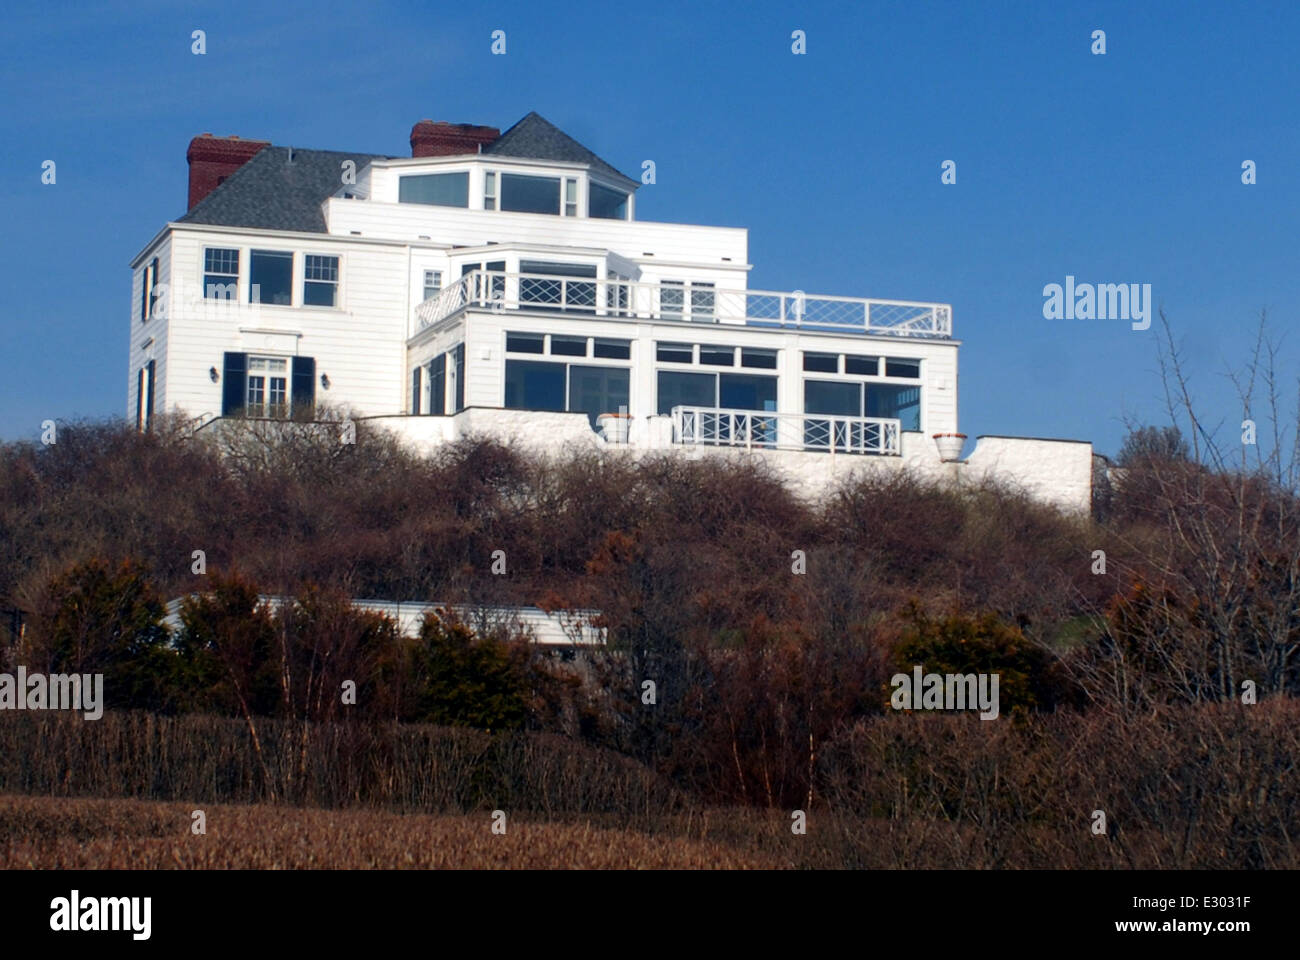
[490,190]
[605,203]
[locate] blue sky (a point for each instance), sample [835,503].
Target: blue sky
[1122,168]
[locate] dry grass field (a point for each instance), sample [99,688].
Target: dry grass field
[58,833]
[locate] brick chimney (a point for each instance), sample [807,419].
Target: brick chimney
[442,139]
[212,159]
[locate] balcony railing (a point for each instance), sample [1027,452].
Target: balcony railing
[594,297]
[752,429]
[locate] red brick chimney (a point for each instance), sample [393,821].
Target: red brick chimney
[212,159]
[442,139]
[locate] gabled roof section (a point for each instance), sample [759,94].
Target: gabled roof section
[536,138]
[273,192]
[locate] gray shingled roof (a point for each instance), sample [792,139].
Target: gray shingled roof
[272,193]
[537,138]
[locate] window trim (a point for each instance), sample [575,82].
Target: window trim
[337,282]
[233,278]
[294,267]
[267,375]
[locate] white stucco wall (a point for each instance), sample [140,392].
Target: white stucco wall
[1058,472]
[1055,471]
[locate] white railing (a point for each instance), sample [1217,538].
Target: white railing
[635,299]
[753,429]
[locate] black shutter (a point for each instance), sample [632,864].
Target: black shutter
[153,287]
[139,400]
[233,384]
[304,387]
[144,293]
[415,390]
[148,411]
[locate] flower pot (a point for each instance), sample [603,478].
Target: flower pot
[949,445]
[614,426]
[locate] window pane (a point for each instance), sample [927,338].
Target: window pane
[318,294]
[673,352]
[606,203]
[569,346]
[531,385]
[220,261]
[718,356]
[686,390]
[895,403]
[765,359]
[437,189]
[839,399]
[902,368]
[743,391]
[597,390]
[821,362]
[613,349]
[530,194]
[525,343]
[271,277]
[864,366]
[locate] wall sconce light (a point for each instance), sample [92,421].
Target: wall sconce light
[325,380]
[213,375]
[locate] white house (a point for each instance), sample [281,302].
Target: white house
[501,284]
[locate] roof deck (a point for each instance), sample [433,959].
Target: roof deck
[637,300]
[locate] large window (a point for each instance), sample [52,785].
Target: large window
[845,398]
[556,385]
[605,203]
[320,281]
[535,385]
[220,274]
[901,403]
[270,277]
[523,194]
[436,189]
[731,391]
[597,390]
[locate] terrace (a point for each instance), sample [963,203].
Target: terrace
[639,300]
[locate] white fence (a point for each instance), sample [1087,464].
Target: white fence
[697,303]
[752,429]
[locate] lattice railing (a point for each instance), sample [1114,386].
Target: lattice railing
[698,304]
[752,429]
